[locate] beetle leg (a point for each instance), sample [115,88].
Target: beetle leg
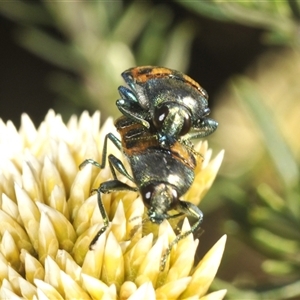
[175,216]
[112,185]
[130,114]
[115,163]
[127,94]
[114,140]
[191,210]
[105,188]
[129,106]
[206,127]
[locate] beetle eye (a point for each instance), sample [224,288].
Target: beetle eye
[146,193]
[160,115]
[175,195]
[186,126]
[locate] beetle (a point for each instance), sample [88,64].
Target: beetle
[167,99]
[161,176]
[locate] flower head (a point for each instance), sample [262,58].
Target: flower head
[48,219]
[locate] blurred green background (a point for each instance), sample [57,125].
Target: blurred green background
[69,56]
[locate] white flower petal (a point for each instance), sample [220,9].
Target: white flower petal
[6,293]
[33,268]
[118,225]
[92,264]
[27,130]
[113,262]
[136,255]
[150,267]
[72,289]
[50,178]
[18,233]
[206,270]
[145,292]
[31,182]
[218,295]
[87,215]
[3,268]
[173,289]
[52,275]
[95,287]
[80,191]
[48,243]
[66,165]
[65,233]
[10,250]
[58,201]
[28,290]
[29,214]
[68,265]
[11,208]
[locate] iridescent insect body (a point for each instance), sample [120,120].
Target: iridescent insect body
[161,176]
[169,100]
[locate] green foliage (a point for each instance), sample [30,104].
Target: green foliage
[278,18]
[97,40]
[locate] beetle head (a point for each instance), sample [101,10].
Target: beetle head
[159,198]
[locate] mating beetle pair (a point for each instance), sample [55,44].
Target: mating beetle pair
[161,107]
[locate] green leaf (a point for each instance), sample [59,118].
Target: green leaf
[275,143]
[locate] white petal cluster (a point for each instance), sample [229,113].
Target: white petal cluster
[48,219]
